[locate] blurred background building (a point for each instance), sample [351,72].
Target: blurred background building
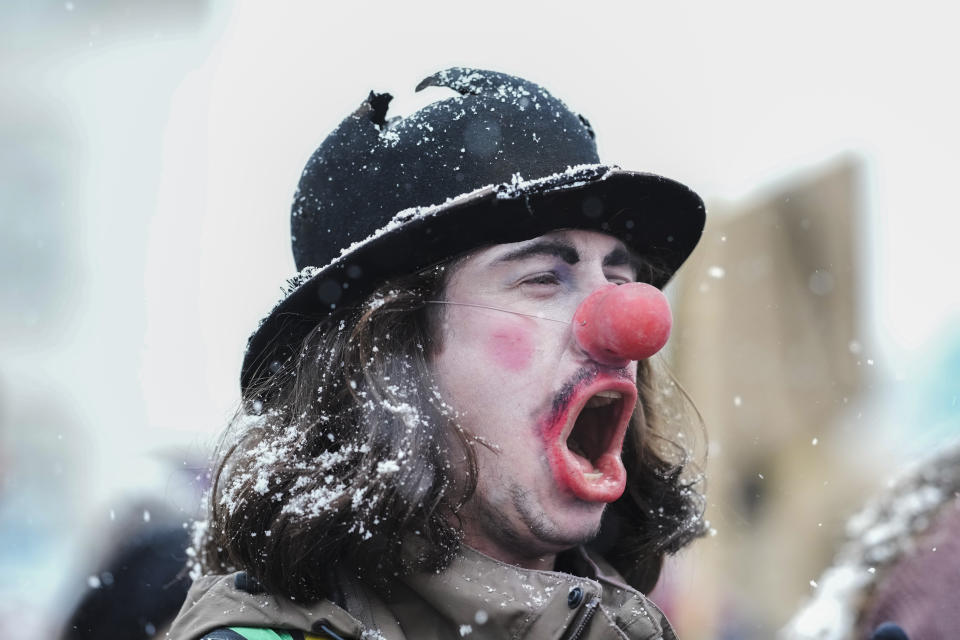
[149,151]
[770,346]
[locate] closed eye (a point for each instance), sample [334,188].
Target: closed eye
[618,278]
[547,278]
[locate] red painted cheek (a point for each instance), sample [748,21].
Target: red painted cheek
[511,347]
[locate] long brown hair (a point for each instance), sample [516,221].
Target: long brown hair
[348,460]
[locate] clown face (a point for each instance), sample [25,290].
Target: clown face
[552,412]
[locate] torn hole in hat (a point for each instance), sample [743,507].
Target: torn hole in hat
[379,103]
[387,109]
[409,103]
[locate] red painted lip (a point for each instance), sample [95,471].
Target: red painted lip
[608,479]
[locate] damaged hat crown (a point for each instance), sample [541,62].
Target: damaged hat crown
[373,166]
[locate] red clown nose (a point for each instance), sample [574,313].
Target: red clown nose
[619,323]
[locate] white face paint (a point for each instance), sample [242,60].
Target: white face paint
[525,386]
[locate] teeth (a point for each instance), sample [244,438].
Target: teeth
[609,394]
[603,399]
[595,475]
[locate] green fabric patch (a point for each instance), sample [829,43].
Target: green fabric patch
[254,633]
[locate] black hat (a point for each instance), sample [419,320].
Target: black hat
[504,161]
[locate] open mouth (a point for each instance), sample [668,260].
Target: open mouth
[590,437]
[587,440]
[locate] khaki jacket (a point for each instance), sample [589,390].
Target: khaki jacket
[476,597]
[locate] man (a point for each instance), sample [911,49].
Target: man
[450,422]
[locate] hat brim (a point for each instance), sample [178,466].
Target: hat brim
[659,219]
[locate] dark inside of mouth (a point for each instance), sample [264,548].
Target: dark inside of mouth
[590,436]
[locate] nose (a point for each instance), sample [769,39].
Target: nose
[617,324]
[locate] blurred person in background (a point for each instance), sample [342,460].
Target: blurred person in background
[139,583]
[131,578]
[897,576]
[451,424]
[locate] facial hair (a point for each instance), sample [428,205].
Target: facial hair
[548,537]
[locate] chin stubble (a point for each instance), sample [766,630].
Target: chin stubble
[542,528]
[497,525]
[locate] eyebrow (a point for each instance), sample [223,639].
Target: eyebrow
[556,248]
[619,257]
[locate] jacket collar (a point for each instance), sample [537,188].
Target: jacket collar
[484,597]
[477,593]
[475,596]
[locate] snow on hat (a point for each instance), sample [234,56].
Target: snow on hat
[503,161]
